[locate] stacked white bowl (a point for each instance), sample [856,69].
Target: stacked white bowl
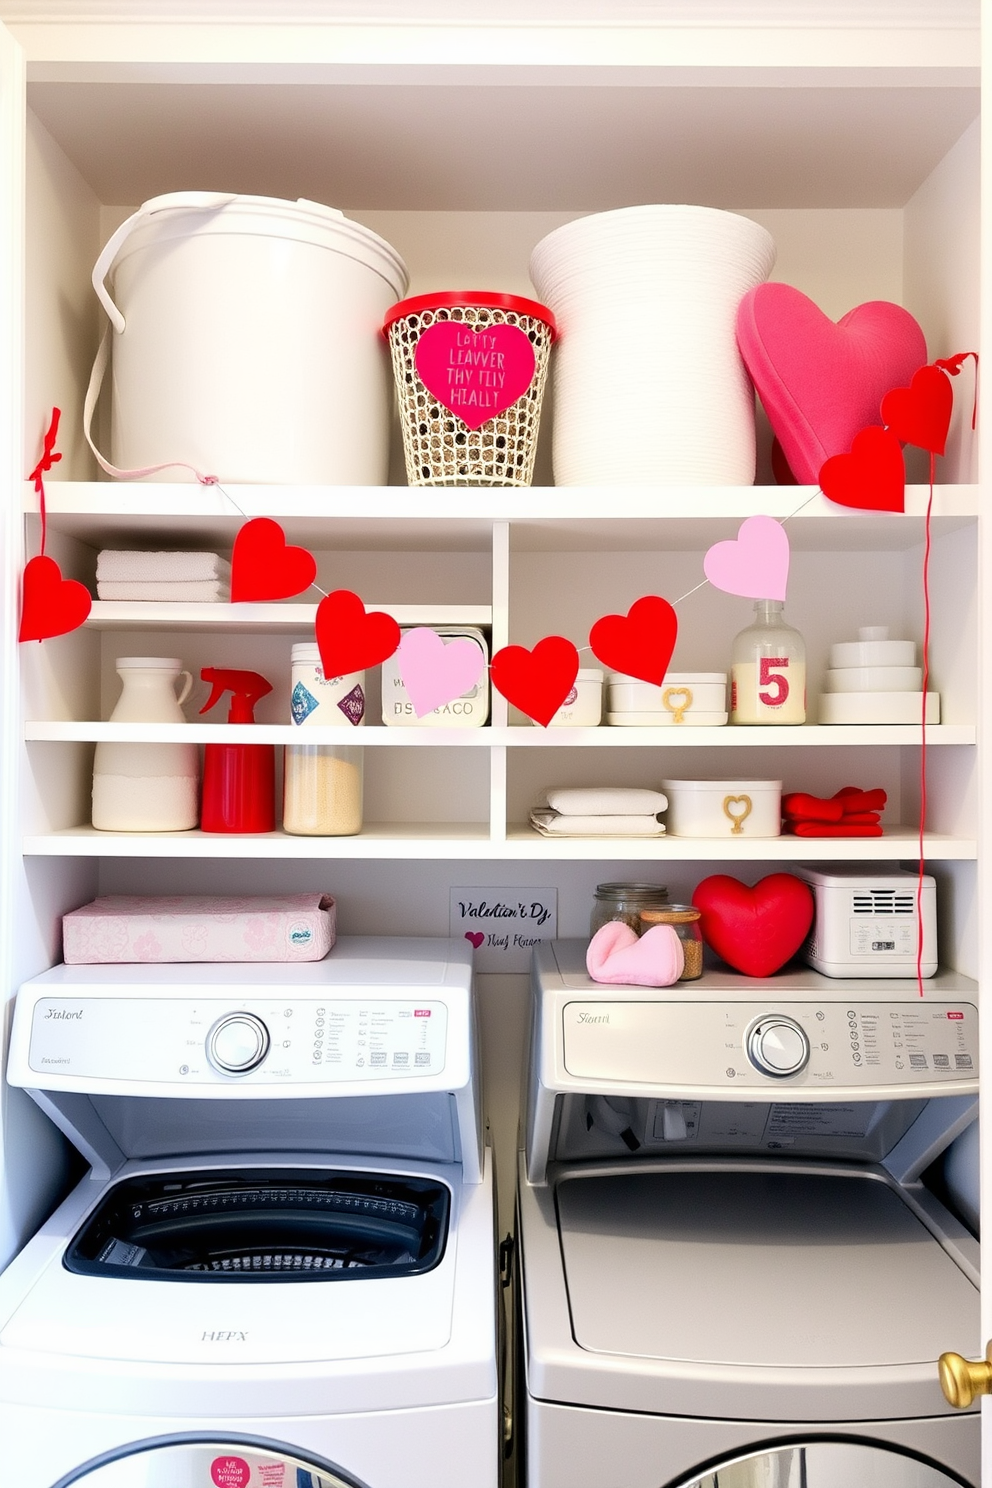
[875,680]
[648,385]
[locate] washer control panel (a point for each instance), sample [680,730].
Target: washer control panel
[723,1046]
[262,1041]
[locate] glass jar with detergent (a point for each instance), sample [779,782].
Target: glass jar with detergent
[322,790]
[768,676]
[684,920]
[625,901]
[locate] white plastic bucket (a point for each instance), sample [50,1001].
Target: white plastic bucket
[246,342]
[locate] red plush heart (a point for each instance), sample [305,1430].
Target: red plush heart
[349,639]
[821,382]
[51,605]
[265,566]
[640,643]
[757,930]
[921,413]
[871,477]
[537,682]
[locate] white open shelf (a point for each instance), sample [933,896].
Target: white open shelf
[122,614]
[377,736]
[471,841]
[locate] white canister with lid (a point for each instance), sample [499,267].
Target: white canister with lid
[723,808]
[697,698]
[147,787]
[583,707]
[470,710]
[319,701]
[872,649]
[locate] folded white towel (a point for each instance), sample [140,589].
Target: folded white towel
[606,800]
[210,590]
[554,824]
[118,567]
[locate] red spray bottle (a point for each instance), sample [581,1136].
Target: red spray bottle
[239,780]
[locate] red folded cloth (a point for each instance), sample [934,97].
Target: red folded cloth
[860,819]
[853,799]
[802,807]
[831,829]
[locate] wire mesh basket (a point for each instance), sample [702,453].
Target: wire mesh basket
[470,371]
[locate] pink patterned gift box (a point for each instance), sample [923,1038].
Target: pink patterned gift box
[200,927]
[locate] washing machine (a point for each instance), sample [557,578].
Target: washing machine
[280,1271]
[730,1273]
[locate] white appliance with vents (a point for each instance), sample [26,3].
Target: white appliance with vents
[867,921]
[724,1241]
[286,1237]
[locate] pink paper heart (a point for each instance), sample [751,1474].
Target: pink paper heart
[476,937]
[755,563]
[616,954]
[822,382]
[475,374]
[435,671]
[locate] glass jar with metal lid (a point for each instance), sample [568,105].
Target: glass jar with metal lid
[625,901]
[684,920]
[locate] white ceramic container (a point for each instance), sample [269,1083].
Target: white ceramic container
[664,720]
[683,697]
[647,368]
[878,707]
[246,341]
[723,808]
[874,679]
[583,707]
[873,649]
[471,710]
[317,701]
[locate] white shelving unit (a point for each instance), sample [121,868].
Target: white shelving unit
[463,143]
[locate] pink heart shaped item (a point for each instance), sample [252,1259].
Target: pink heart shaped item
[821,382]
[435,671]
[475,374]
[476,937]
[755,563]
[617,955]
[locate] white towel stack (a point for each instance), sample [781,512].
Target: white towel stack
[600,811]
[194,578]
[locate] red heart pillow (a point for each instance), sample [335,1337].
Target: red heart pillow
[757,930]
[822,382]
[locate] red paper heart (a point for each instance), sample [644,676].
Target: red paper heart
[757,930]
[871,477]
[475,374]
[921,413]
[51,605]
[349,639]
[821,382]
[265,566]
[640,643]
[537,682]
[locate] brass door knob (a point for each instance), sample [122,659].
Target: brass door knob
[963,1380]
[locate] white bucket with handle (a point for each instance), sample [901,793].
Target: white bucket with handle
[244,342]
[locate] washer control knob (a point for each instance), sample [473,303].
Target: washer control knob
[777,1046]
[237,1043]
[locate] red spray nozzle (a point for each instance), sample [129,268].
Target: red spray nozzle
[245,688]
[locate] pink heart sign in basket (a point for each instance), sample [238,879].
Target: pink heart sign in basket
[475,374]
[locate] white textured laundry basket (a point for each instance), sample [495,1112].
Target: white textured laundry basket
[245,341]
[648,385]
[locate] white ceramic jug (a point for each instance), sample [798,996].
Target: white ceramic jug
[147,787]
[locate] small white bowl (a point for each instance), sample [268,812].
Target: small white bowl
[874,679]
[878,707]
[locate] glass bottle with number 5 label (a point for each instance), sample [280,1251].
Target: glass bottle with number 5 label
[768,676]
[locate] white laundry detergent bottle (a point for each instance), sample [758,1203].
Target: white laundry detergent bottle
[147,787]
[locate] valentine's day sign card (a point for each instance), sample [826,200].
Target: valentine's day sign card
[503,925]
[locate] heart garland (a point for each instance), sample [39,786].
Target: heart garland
[348,638]
[538,681]
[265,566]
[755,564]
[435,671]
[640,643]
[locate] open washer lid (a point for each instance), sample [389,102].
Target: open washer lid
[743,1267]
